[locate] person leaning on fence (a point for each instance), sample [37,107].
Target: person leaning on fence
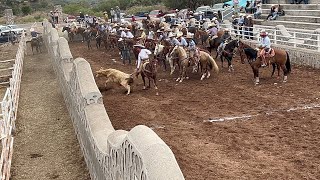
[265,46]
[143,57]
[248,24]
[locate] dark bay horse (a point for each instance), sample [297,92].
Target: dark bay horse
[35,43]
[280,59]
[228,53]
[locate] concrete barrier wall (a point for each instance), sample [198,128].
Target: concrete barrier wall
[297,56]
[110,154]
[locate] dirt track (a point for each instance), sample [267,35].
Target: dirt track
[45,145]
[279,141]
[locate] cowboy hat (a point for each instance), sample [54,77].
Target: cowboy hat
[226,29]
[249,16]
[140,29]
[159,31]
[189,36]
[31,29]
[120,29]
[126,29]
[120,39]
[212,25]
[171,35]
[179,34]
[263,33]
[139,46]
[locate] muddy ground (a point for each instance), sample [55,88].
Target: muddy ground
[276,134]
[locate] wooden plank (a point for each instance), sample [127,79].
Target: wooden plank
[9,60]
[4,83]
[7,75]
[6,69]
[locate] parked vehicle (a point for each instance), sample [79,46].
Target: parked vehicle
[7,37]
[16,29]
[156,14]
[202,9]
[4,29]
[141,14]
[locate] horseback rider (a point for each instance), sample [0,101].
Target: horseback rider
[143,36]
[193,50]
[143,57]
[265,46]
[226,37]
[212,31]
[173,40]
[129,33]
[182,40]
[34,33]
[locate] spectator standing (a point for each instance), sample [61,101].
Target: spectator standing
[249,27]
[112,13]
[124,51]
[240,24]
[56,17]
[236,6]
[118,14]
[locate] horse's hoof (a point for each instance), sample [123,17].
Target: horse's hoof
[187,77]
[157,94]
[144,88]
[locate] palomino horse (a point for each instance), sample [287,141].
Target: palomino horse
[149,70]
[183,61]
[280,59]
[227,52]
[207,63]
[251,55]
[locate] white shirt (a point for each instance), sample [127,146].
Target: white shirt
[123,34]
[144,54]
[129,35]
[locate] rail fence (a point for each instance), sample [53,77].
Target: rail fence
[296,38]
[9,107]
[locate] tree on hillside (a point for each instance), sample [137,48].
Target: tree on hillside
[26,10]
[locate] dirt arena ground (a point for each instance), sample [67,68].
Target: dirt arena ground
[269,131]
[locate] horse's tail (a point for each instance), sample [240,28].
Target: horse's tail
[288,64]
[213,64]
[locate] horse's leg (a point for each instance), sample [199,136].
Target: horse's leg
[255,74]
[171,65]
[208,72]
[155,84]
[144,81]
[273,68]
[285,73]
[221,58]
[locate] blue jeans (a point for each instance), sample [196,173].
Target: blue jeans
[125,56]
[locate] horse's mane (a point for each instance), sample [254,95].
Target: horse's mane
[252,53]
[231,44]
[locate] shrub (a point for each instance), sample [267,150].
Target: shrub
[135,9]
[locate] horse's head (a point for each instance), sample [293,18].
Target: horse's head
[174,51]
[158,49]
[99,72]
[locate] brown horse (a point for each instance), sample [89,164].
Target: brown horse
[35,43]
[281,59]
[251,56]
[214,43]
[149,70]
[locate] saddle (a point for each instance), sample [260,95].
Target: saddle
[267,54]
